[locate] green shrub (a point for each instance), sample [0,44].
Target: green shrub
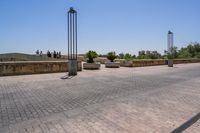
[121,56]
[111,56]
[127,56]
[184,53]
[198,55]
[90,55]
[170,56]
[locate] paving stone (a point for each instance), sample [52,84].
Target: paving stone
[125,100]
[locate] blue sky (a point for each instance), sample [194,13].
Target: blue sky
[103,25]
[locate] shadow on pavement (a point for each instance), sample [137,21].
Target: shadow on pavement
[187,124]
[66,77]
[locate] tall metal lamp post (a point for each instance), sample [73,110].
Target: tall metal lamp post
[170,43]
[72,42]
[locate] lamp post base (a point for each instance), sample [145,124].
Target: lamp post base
[72,67]
[170,63]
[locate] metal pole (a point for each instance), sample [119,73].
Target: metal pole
[73,35]
[170,48]
[68,35]
[76,34]
[72,42]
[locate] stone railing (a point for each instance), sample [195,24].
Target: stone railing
[181,61]
[34,67]
[142,63]
[147,62]
[37,67]
[28,57]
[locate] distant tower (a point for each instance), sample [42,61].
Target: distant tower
[72,42]
[170,45]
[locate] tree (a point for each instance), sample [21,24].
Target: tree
[111,56]
[149,55]
[174,52]
[197,49]
[191,49]
[155,55]
[134,57]
[198,55]
[141,54]
[184,53]
[121,55]
[127,56]
[91,55]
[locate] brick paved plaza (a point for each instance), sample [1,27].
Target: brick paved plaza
[154,99]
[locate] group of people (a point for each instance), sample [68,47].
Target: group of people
[54,54]
[39,53]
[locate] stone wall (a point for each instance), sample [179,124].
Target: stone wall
[29,57]
[147,62]
[142,63]
[34,67]
[37,67]
[181,61]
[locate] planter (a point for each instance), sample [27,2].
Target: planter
[112,64]
[170,62]
[91,66]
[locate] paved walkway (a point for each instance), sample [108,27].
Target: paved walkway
[154,99]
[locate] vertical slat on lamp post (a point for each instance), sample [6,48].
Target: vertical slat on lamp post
[170,43]
[72,42]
